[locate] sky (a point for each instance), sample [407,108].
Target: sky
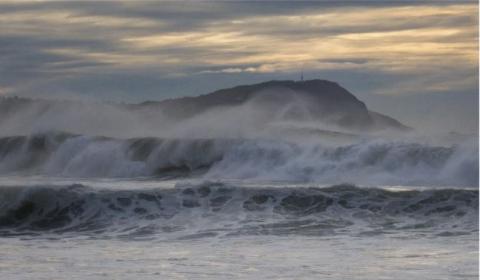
[416,61]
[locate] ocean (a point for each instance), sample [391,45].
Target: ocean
[88,207]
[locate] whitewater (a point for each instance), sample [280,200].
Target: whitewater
[243,208]
[364,162]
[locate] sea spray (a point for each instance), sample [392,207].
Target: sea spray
[384,162]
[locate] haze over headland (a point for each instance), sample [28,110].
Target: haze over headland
[414,61]
[294,107]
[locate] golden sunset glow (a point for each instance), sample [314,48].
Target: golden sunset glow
[385,39]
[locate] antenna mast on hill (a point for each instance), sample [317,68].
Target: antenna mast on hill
[301,76]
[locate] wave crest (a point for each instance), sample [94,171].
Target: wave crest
[367,162]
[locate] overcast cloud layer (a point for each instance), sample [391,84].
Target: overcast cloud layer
[416,61]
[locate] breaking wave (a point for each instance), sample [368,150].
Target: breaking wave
[213,209]
[366,162]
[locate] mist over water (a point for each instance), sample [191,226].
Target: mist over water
[263,138]
[268,170]
[275,113]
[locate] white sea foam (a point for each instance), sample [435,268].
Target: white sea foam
[216,209]
[366,162]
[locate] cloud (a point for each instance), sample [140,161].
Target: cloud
[55,46]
